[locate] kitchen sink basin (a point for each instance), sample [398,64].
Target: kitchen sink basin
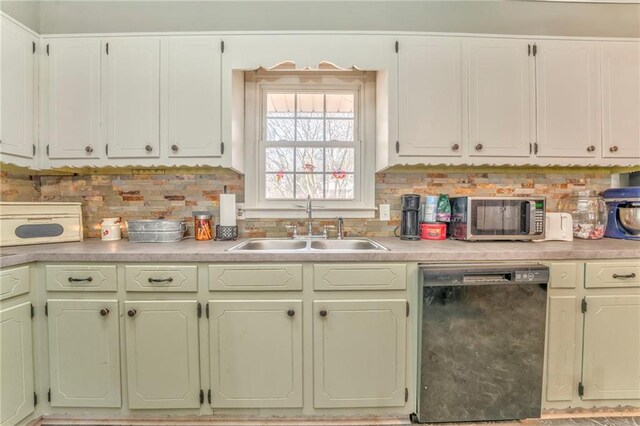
[288,245]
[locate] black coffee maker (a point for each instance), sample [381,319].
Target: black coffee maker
[410,220]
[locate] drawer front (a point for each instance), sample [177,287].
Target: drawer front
[565,274]
[81,277]
[612,274]
[375,276]
[14,282]
[257,277]
[180,278]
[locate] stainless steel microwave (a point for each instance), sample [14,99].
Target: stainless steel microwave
[497,218]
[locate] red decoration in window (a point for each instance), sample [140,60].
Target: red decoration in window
[279,176]
[339,174]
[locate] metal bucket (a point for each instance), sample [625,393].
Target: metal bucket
[156,230]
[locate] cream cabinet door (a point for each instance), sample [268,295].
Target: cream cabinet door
[14,282]
[256,353]
[359,353]
[132,77]
[561,348]
[84,353]
[430,107]
[73,98]
[19,87]
[194,97]
[611,359]
[16,364]
[620,99]
[500,102]
[162,348]
[568,98]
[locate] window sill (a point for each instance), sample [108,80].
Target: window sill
[318,213]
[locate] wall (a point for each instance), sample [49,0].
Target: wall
[177,196]
[495,17]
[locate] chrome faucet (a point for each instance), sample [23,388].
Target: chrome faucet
[339,226]
[309,217]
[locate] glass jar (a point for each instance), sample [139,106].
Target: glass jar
[202,226]
[589,213]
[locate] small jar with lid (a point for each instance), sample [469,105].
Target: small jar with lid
[589,213]
[202,226]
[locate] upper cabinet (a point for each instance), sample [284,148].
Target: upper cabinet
[18,91]
[72,113]
[193,97]
[132,89]
[621,100]
[430,96]
[500,107]
[568,101]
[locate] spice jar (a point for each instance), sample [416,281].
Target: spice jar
[589,214]
[202,226]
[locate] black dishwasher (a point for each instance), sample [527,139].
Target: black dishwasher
[481,341]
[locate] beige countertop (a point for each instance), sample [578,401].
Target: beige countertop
[189,250]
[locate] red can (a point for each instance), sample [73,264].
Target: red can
[433,231]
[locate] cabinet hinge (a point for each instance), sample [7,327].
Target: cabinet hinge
[33,311]
[528,50]
[199,310]
[580,389]
[34,47]
[221,46]
[221,148]
[209,396]
[46,309]
[47,49]
[407,308]
[49,395]
[397,147]
[206,309]
[47,150]
[201,397]
[35,399]
[397,46]
[106,149]
[406,394]
[535,49]
[107,48]
[583,307]
[34,149]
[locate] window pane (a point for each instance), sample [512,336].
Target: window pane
[340,159]
[309,184]
[280,105]
[279,185]
[310,104]
[309,160]
[279,159]
[280,129]
[340,130]
[340,186]
[310,130]
[340,106]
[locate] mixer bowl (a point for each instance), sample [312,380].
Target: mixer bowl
[630,219]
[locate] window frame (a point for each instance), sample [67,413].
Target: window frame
[257,85]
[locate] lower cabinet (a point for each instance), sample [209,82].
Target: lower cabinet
[359,349]
[162,354]
[611,360]
[84,353]
[256,353]
[16,364]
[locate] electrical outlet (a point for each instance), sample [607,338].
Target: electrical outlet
[385,211]
[240,211]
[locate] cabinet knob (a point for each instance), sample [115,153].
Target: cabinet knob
[613,149]
[88,149]
[291,313]
[591,148]
[148,148]
[455,147]
[132,313]
[174,148]
[323,313]
[104,312]
[479,147]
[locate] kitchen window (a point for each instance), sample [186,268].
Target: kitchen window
[310,133]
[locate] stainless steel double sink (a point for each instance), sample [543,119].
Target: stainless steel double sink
[289,245]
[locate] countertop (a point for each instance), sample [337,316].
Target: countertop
[189,250]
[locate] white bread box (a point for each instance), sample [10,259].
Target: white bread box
[39,223]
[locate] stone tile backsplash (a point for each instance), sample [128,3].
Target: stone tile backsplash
[176,196]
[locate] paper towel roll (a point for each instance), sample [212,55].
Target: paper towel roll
[227,209]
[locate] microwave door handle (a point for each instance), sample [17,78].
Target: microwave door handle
[532,217]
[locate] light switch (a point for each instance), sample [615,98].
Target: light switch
[385,212]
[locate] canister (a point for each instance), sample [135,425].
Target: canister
[433,231]
[111,230]
[202,226]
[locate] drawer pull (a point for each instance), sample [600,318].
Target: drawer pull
[78,280]
[631,275]
[161,280]
[323,313]
[104,312]
[291,313]
[132,313]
